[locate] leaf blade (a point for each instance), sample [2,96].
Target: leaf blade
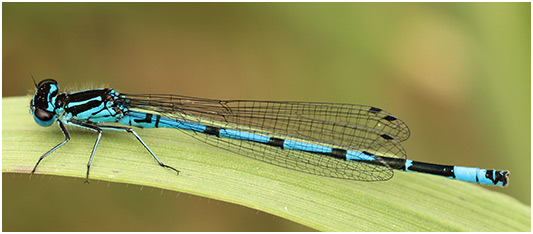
[409,202]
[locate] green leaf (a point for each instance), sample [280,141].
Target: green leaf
[408,202]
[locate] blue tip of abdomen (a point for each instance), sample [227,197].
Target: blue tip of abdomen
[481,176]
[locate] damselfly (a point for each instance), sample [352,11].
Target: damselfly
[346,141]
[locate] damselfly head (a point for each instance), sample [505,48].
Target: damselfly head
[42,104]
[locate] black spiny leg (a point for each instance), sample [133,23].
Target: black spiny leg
[67,138]
[95,128]
[129,130]
[99,128]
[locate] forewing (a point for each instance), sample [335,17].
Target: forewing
[342,126]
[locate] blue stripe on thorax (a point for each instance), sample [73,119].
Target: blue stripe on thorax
[95,105]
[81,102]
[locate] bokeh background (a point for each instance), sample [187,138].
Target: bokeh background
[457,73]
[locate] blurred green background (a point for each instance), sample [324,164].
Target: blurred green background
[457,73]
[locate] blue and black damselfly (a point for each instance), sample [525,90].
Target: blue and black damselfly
[345,141]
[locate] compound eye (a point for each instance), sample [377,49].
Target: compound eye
[43,117]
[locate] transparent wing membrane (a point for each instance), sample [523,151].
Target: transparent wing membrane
[341,126]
